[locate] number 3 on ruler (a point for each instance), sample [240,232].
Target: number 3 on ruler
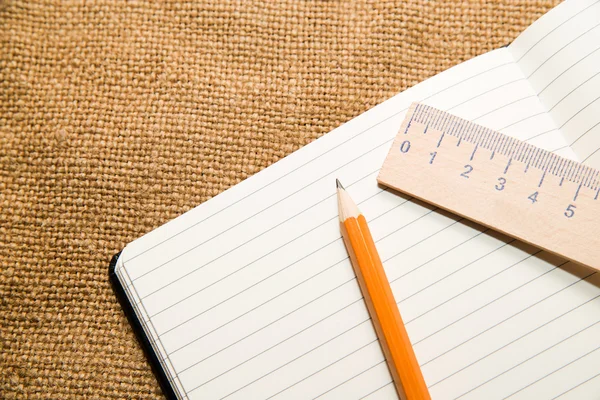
[501,183]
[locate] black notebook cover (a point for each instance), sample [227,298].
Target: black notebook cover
[152,357]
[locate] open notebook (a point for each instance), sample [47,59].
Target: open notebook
[251,295]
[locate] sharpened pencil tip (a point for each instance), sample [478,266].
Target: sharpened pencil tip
[338,184]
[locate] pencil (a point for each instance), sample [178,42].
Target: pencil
[374,285]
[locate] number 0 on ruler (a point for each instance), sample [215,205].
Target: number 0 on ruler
[503,183]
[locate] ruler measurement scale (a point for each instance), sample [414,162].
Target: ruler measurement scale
[498,181]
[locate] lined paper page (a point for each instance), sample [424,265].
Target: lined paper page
[560,55]
[251,295]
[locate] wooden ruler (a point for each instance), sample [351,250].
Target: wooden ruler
[503,183]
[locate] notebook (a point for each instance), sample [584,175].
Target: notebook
[251,295]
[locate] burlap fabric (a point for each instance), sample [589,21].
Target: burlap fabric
[118,116]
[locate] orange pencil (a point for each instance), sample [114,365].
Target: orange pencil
[376,290]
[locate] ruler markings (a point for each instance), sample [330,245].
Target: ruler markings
[594,179]
[586,179]
[559,167]
[561,189]
[547,160]
[496,144]
[584,133]
[523,153]
[492,141]
[507,149]
[530,157]
[504,145]
[542,180]
[575,171]
[579,172]
[480,138]
[590,178]
[565,170]
[571,173]
[556,167]
[555,164]
[536,158]
[445,119]
[473,153]
[440,141]
[507,165]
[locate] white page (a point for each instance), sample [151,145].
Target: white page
[560,55]
[251,294]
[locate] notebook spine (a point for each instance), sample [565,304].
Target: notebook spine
[140,334]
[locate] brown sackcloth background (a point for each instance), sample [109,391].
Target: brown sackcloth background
[118,116]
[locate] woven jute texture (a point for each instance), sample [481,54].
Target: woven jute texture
[118,116]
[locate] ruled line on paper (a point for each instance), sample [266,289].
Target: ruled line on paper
[322,369]
[324,294]
[328,316]
[558,369]
[530,358]
[374,340]
[372,366]
[561,49]
[281,246]
[576,386]
[376,390]
[488,92]
[458,270]
[571,92]
[486,304]
[554,29]
[567,70]
[360,373]
[508,318]
[406,249]
[328,267]
[302,355]
[588,157]
[501,107]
